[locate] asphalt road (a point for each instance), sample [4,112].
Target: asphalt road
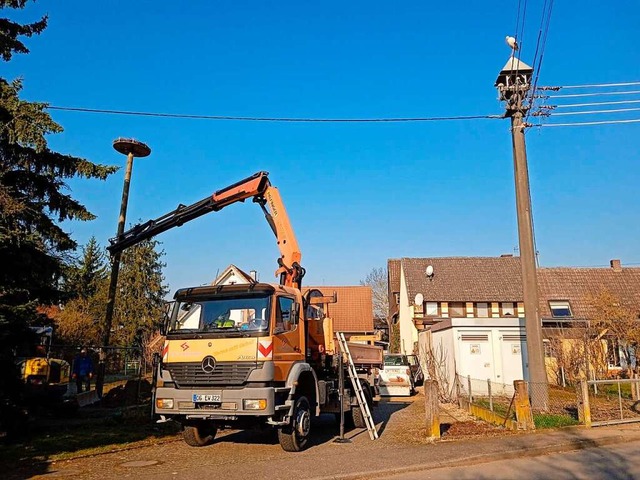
[614,462]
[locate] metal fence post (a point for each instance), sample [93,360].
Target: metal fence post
[620,401]
[469,386]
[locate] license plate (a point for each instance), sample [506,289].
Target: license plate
[206,398]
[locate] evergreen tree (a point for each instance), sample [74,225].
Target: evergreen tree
[34,199]
[79,321]
[85,277]
[140,301]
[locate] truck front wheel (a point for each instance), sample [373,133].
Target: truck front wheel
[199,435]
[294,437]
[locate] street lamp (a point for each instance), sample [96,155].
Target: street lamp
[131,148]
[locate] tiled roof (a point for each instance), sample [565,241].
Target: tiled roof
[353,311]
[497,279]
[464,279]
[577,285]
[393,275]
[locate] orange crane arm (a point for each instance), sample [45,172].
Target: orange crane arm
[258,187]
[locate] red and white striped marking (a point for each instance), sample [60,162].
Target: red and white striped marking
[265,349]
[165,351]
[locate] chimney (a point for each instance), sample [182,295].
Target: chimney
[254,275]
[615,265]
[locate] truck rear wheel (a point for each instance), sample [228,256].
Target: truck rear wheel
[294,437]
[199,435]
[356,412]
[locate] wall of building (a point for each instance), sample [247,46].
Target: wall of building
[408,331]
[484,349]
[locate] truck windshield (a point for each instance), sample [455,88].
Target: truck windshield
[220,315]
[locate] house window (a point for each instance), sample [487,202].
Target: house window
[432,309]
[456,309]
[482,310]
[507,309]
[560,308]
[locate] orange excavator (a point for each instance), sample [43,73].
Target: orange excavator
[253,354]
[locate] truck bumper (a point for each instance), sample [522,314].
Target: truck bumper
[232,405]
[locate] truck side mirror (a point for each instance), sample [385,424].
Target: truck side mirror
[168,310]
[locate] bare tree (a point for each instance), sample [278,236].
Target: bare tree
[377,280]
[619,322]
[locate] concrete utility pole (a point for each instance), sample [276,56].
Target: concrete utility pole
[513,82]
[131,148]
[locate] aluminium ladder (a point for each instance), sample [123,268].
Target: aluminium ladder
[355,381]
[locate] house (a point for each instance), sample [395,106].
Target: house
[353,311]
[351,314]
[232,275]
[567,312]
[473,311]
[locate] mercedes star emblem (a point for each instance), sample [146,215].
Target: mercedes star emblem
[208,364]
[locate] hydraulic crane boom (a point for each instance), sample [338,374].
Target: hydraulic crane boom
[259,188]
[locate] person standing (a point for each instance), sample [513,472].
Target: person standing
[83,370]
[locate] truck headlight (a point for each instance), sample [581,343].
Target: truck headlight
[260,404]
[164,403]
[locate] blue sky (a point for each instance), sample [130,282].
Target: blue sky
[357,194]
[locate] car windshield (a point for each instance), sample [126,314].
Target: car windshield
[394,360]
[221,315]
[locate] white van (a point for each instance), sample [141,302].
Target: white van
[396,379]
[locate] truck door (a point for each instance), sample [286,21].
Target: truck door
[286,336]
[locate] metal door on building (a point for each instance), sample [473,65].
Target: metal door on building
[515,363]
[476,355]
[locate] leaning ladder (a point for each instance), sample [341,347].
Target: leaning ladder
[355,381]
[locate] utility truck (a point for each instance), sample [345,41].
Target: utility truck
[256,354]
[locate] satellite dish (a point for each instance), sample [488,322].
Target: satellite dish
[429,271]
[419,299]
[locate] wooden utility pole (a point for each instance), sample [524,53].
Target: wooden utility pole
[131,148]
[513,84]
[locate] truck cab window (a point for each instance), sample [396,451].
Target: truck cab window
[286,319]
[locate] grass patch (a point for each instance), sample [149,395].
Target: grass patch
[548,420]
[499,408]
[86,434]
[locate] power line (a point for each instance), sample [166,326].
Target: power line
[595,85]
[603,122]
[587,112]
[272,119]
[592,104]
[545,21]
[595,94]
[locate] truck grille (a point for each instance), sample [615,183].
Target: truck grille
[191,374]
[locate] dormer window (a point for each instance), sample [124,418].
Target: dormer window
[560,308]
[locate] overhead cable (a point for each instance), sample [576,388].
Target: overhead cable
[272,119]
[593,104]
[600,85]
[596,94]
[615,110]
[576,124]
